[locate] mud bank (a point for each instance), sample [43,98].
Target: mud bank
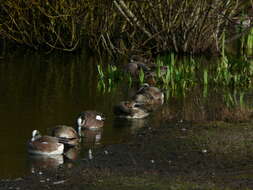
[173,156]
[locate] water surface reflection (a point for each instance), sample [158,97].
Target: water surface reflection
[40,92]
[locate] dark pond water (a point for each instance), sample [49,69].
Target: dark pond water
[39,92]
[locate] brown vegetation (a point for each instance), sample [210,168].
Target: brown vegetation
[118,26]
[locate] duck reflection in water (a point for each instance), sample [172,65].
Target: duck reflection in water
[44,162]
[92,137]
[130,125]
[72,153]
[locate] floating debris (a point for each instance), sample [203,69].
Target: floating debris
[32,170]
[58,182]
[18,179]
[90,154]
[204,151]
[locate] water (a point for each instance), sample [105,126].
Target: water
[41,91]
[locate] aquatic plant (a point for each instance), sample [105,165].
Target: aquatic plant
[108,79]
[141,76]
[101,81]
[180,74]
[233,73]
[247,43]
[205,82]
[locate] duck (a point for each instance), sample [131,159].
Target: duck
[149,95]
[138,58]
[89,120]
[44,145]
[130,110]
[68,133]
[157,71]
[134,68]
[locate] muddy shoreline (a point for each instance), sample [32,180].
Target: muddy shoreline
[169,157]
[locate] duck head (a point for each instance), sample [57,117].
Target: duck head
[89,119]
[79,124]
[35,135]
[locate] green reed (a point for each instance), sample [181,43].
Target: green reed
[233,73]
[184,73]
[141,76]
[249,43]
[101,81]
[108,78]
[234,98]
[180,75]
[205,82]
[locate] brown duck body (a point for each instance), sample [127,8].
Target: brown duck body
[45,145]
[66,134]
[130,110]
[149,95]
[90,120]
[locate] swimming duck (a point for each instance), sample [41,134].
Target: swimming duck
[68,133]
[130,110]
[44,145]
[89,120]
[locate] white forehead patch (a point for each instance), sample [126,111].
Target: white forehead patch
[79,121]
[34,133]
[44,142]
[98,117]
